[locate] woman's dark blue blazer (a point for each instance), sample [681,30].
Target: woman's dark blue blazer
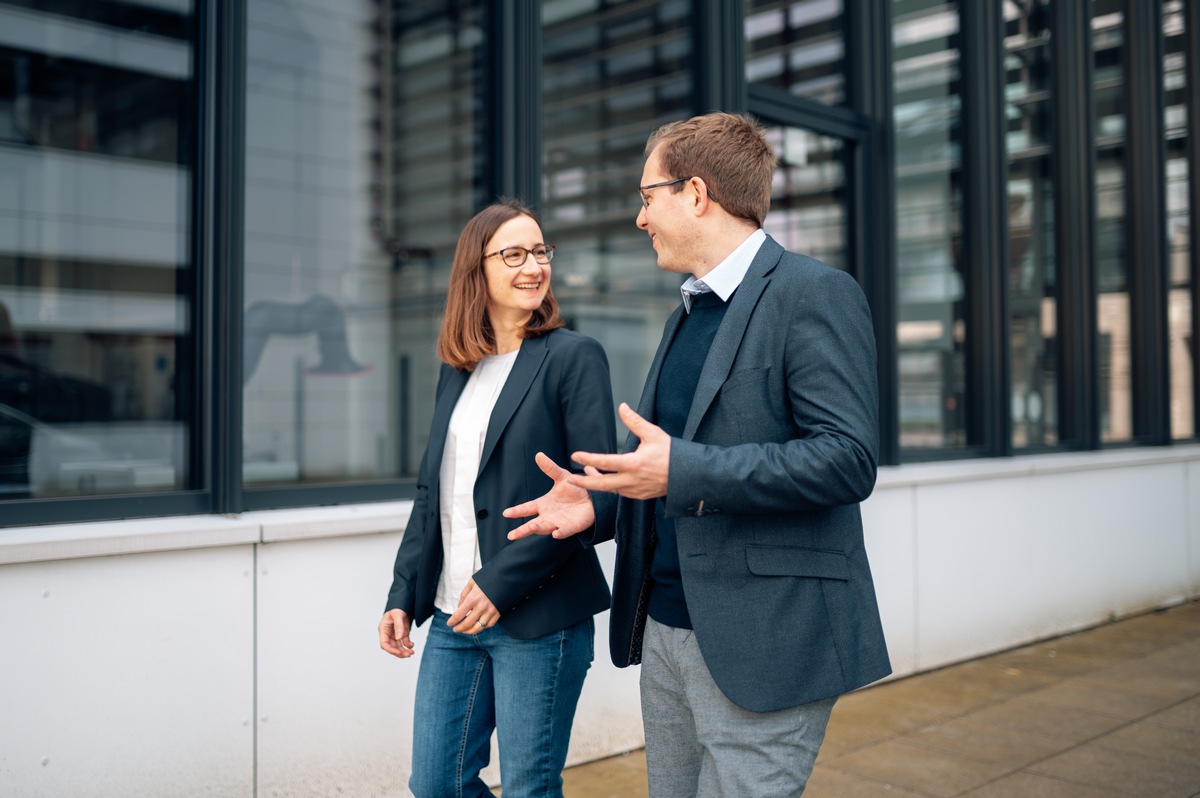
[557,400]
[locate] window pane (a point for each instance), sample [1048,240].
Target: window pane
[808,195]
[797,46]
[931,333]
[1113,311]
[614,71]
[1179,233]
[96,334]
[1032,283]
[363,161]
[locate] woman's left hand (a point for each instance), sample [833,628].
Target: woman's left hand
[475,612]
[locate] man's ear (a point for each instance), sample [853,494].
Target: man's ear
[700,198]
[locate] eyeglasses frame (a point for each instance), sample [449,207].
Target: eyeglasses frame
[528,252]
[643,189]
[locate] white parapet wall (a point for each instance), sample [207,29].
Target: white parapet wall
[979,556]
[238,656]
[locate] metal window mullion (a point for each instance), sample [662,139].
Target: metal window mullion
[514,107]
[984,256]
[719,42]
[873,225]
[1146,206]
[223,211]
[1074,171]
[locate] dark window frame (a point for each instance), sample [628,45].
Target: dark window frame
[864,122]
[216,81]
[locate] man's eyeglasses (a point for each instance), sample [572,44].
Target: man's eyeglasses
[646,200]
[516,256]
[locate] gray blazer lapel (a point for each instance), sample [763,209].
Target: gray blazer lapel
[645,407]
[524,370]
[730,333]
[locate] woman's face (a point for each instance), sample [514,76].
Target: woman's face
[514,292]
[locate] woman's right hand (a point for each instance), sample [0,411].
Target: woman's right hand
[393,634]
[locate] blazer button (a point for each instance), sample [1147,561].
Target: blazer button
[482,514]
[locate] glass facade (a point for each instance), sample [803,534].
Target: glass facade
[797,46]
[809,194]
[1032,283]
[613,71]
[352,213]
[931,331]
[98,374]
[1112,256]
[1179,231]
[371,132]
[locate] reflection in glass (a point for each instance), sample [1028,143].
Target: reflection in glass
[931,333]
[352,211]
[1179,238]
[1113,311]
[797,46]
[1032,283]
[808,195]
[612,73]
[95,271]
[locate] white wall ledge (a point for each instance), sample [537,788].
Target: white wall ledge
[134,536]
[308,523]
[131,536]
[141,535]
[990,468]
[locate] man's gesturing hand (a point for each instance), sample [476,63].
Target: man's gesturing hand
[640,474]
[566,510]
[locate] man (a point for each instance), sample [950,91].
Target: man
[742,585]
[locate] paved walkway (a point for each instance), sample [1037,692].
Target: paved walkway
[1112,711]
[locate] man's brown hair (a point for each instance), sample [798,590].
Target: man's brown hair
[729,152]
[467,336]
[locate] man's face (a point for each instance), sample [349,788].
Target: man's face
[666,218]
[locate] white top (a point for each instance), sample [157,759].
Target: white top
[460,466]
[727,275]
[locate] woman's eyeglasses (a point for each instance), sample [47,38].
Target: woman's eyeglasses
[516,256]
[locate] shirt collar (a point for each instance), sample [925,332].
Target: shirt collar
[724,279]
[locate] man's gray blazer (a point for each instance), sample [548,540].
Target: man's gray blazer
[779,448]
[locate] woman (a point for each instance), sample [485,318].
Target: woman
[511,638]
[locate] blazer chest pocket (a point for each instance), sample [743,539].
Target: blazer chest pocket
[797,561]
[744,378]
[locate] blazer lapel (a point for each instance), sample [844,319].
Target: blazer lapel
[529,361]
[729,335]
[645,407]
[438,428]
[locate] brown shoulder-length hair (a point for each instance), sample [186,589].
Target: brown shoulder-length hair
[467,336]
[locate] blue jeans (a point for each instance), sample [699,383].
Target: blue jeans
[526,690]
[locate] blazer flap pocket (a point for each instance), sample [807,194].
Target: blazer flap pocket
[741,376]
[796,561]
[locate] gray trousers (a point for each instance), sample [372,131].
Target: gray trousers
[699,743]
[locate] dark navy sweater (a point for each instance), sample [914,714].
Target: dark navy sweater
[673,398]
